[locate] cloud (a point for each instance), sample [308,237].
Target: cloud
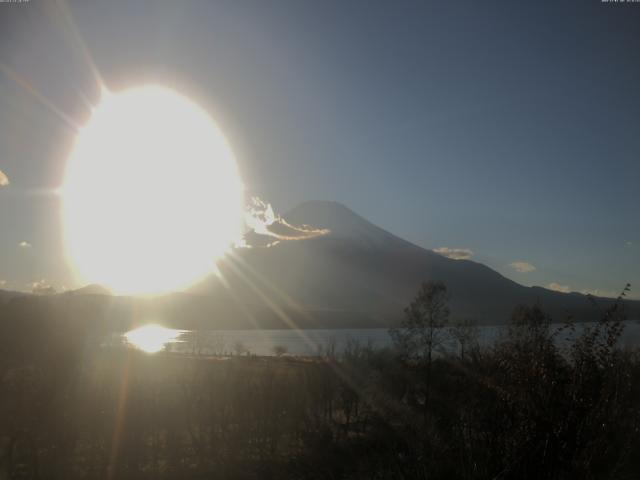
[522,267]
[266,228]
[4,180]
[455,253]
[559,288]
[24,244]
[629,244]
[3,283]
[42,287]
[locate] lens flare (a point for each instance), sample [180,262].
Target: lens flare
[152,195]
[152,338]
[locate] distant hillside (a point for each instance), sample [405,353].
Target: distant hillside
[92,289]
[363,269]
[358,275]
[6,295]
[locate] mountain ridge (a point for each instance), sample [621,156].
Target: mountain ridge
[359,262]
[356,275]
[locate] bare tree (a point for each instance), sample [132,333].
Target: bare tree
[422,330]
[466,334]
[239,348]
[279,350]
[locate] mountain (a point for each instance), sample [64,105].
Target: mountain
[361,274]
[7,295]
[92,289]
[340,272]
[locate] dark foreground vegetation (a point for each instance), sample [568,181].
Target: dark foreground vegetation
[529,407]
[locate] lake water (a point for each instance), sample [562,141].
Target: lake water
[310,342]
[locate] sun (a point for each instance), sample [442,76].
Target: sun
[152,195]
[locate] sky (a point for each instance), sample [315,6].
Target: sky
[504,132]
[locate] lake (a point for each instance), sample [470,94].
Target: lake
[300,342]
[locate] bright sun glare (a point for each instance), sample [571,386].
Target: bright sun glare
[152,195]
[152,338]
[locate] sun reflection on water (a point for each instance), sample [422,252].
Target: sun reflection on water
[152,338]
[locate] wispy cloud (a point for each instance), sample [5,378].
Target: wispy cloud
[24,244]
[42,287]
[455,253]
[522,267]
[559,288]
[4,180]
[262,221]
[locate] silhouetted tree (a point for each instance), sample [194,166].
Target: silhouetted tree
[532,406]
[239,348]
[466,334]
[422,331]
[279,350]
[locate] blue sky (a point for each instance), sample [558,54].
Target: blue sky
[508,130]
